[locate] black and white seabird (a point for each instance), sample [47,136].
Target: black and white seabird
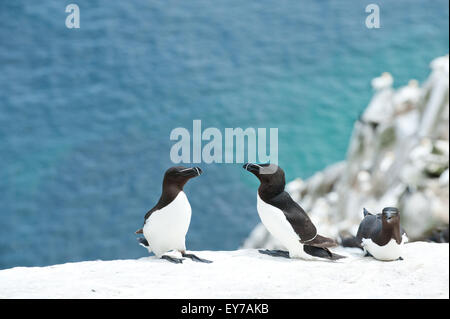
[166,224]
[381,235]
[285,219]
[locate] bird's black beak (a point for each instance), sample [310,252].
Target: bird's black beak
[198,170]
[192,172]
[252,168]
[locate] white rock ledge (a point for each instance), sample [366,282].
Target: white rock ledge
[424,273]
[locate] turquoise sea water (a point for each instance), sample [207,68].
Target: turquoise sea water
[86,114]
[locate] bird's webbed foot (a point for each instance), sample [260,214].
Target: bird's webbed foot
[275,253]
[172,259]
[195,258]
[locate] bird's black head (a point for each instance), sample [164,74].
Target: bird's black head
[390,215]
[271,177]
[178,176]
[390,218]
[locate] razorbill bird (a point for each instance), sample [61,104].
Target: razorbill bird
[166,224]
[381,235]
[285,219]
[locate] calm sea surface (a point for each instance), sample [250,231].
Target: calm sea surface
[86,114]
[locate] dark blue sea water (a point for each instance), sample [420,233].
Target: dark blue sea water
[85,114]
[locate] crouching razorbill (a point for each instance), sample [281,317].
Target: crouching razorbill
[285,219]
[167,223]
[381,235]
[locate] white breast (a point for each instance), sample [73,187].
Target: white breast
[390,251]
[279,227]
[166,229]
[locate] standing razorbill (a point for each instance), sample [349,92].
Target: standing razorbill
[381,235]
[285,219]
[167,223]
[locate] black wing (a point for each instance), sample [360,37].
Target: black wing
[295,215]
[368,227]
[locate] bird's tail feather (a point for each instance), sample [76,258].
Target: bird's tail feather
[350,241]
[321,252]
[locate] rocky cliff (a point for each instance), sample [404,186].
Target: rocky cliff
[398,156]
